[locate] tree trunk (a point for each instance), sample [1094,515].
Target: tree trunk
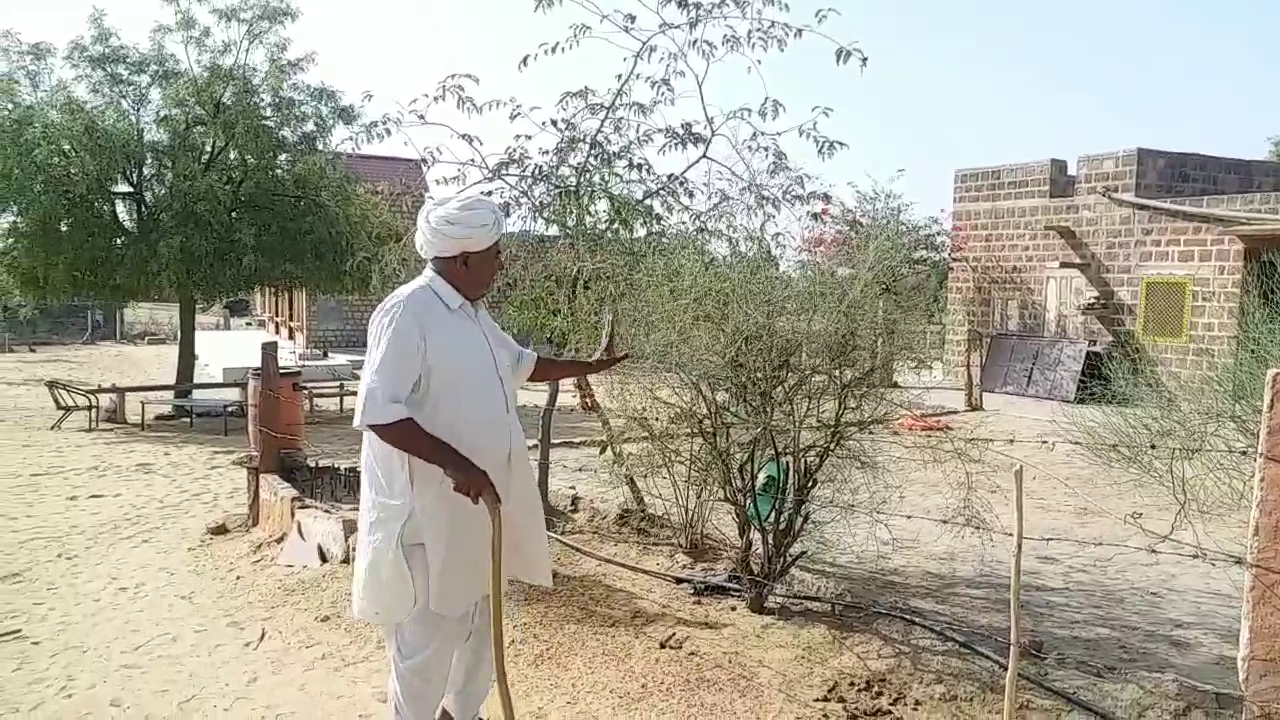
[588,402]
[186,345]
[757,597]
[544,444]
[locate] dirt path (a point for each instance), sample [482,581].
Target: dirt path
[1091,593]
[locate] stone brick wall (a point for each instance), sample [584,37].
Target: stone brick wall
[1167,175]
[338,321]
[1014,221]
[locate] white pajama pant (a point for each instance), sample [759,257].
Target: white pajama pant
[438,662]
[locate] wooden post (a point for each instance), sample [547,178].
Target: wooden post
[972,385]
[976,351]
[269,409]
[115,412]
[545,422]
[1015,602]
[252,490]
[1258,661]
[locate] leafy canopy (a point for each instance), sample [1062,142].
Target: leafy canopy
[197,165]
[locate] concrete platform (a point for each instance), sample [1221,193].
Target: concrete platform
[353,356]
[229,355]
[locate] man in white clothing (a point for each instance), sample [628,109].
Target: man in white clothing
[437,403]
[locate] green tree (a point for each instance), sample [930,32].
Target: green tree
[195,167]
[607,175]
[878,212]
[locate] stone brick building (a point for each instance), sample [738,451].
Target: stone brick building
[328,322]
[1141,246]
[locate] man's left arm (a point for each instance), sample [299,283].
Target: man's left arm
[548,369]
[531,367]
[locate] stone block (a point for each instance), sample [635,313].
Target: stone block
[328,532]
[277,503]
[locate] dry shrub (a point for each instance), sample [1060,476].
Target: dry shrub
[745,364]
[1189,440]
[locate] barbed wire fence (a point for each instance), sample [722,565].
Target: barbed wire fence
[1161,545]
[674,306]
[1158,543]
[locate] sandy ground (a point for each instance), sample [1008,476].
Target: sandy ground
[113,603]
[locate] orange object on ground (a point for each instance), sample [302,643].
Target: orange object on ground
[915,423]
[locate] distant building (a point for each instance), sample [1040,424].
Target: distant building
[1139,246]
[329,322]
[326,322]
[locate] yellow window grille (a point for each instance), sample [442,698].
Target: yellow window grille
[1164,309]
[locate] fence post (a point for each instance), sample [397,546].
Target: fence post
[1015,601]
[252,489]
[972,384]
[1258,661]
[269,408]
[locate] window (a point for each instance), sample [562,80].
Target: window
[1164,309]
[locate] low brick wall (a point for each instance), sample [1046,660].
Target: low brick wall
[283,510]
[338,321]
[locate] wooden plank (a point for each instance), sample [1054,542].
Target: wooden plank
[206,403]
[108,390]
[111,389]
[251,490]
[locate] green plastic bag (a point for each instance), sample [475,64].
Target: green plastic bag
[771,486]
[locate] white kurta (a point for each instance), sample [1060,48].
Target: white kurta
[442,361]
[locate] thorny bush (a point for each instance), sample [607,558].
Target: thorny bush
[1190,439]
[604,167]
[749,367]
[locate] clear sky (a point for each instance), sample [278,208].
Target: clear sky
[949,84]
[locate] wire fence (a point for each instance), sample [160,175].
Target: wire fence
[56,323]
[1179,542]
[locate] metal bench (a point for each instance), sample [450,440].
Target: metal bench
[68,400]
[330,389]
[193,404]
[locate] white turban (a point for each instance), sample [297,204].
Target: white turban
[457,224]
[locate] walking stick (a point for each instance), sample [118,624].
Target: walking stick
[496,582]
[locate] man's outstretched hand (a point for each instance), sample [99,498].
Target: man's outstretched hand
[548,369]
[599,366]
[607,356]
